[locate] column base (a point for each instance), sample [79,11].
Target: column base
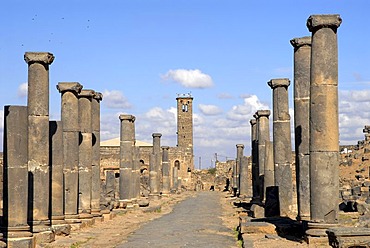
[126,203]
[44,237]
[154,197]
[316,233]
[25,242]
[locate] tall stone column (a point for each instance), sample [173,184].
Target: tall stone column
[324,130]
[126,159]
[255,169]
[85,153]
[154,177]
[269,165]
[165,171]
[135,170]
[263,132]
[282,144]
[235,179]
[38,143]
[243,170]
[58,222]
[302,65]
[175,178]
[95,169]
[69,115]
[15,227]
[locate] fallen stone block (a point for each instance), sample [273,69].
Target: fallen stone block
[257,228]
[345,237]
[257,211]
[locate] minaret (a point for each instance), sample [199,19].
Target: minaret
[185,122]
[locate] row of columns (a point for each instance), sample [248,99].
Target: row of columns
[316,133]
[51,168]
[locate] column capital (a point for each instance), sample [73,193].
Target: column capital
[157,135]
[264,112]
[240,146]
[165,147]
[69,86]
[124,117]
[278,82]
[300,42]
[253,122]
[98,96]
[86,94]
[39,57]
[315,22]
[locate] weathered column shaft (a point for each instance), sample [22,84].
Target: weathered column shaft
[302,65]
[126,158]
[15,210]
[136,174]
[165,171]
[85,153]
[154,171]
[243,170]
[38,139]
[282,144]
[324,130]
[255,169]
[69,116]
[238,161]
[175,178]
[269,179]
[263,134]
[57,182]
[95,170]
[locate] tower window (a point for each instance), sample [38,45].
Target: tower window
[184,108]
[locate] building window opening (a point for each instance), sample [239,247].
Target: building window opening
[184,108]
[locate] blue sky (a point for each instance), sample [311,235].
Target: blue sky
[140,54]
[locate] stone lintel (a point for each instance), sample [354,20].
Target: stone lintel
[279,82]
[157,135]
[127,118]
[69,86]
[253,122]
[315,22]
[165,147]
[86,94]
[98,96]
[299,42]
[261,113]
[39,57]
[239,146]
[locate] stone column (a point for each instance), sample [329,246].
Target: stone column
[282,144]
[38,143]
[324,130]
[243,170]
[85,154]
[154,177]
[126,159]
[69,116]
[263,132]
[165,171]
[135,170]
[269,165]
[15,227]
[95,169]
[235,178]
[302,61]
[175,178]
[255,169]
[57,181]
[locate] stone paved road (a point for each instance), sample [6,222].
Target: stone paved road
[194,222]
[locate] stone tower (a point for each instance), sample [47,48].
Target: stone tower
[185,123]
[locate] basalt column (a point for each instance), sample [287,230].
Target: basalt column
[154,177]
[126,159]
[282,144]
[57,182]
[71,129]
[243,170]
[165,171]
[38,143]
[95,169]
[263,132]
[135,169]
[302,60]
[175,178]
[15,227]
[255,169]
[85,154]
[324,131]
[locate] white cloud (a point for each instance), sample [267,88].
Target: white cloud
[22,90]
[246,110]
[189,78]
[115,99]
[209,109]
